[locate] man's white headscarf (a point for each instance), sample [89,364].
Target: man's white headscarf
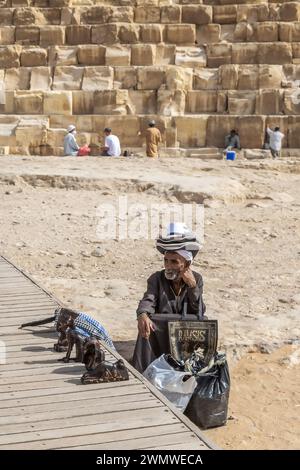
[185,254]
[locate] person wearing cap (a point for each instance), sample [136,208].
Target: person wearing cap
[153,138]
[70,145]
[112,146]
[177,289]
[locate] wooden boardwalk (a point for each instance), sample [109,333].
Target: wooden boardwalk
[43,404]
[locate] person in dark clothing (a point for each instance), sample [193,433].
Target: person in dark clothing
[232,141]
[176,290]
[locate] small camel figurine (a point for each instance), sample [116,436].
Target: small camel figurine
[106,372]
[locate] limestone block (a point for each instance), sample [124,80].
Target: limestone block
[291,74]
[165,54]
[62,56]
[253,13]
[226,14]
[31,132]
[7,35]
[50,16]
[151,33]
[222,102]
[269,102]
[9,57]
[128,133]
[143,54]
[227,32]
[97,78]
[23,16]
[193,57]
[121,14]
[290,11]
[201,101]
[241,102]
[55,137]
[83,123]
[111,102]
[275,53]
[40,78]
[151,78]
[105,34]
[296,51]
[191,130]
[67,78]
[170,102]
[90,54]
[180,34]
[33,57]
[58,102]
[270,76]
[6,16]
[217,128]
[145,14]
[99,123]
[244,53]
[294,132]
[8,130]
[206,79]
[125,77]
[292,101]
[68,16]
[83,102]
[17,79]
[118,55]
[251,131]
[289,32]
[78,34]
[264,32]
[171,137]
[229,76]
[95,14]
[52,36]
[209,33]
[8,103]
[218,54]
[248,77]
[28,103]
[179,78]
[143,101]
[28,35]
[242,31]
[171,14]
[129,33]
[197,14]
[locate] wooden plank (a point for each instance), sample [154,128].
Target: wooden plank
[49,439]
[190,445]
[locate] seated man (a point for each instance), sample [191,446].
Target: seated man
[112,146]
[70,145]
[232,141]
[175,290]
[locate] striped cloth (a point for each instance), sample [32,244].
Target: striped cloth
[87,326]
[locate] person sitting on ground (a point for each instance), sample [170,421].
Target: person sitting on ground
[153,138]
[275,141]
[175,290]
[70,145]
[112,146]
[232,141]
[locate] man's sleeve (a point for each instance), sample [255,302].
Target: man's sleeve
[74,144]
[195,300]
[238,142]
[149,301]
[269,131]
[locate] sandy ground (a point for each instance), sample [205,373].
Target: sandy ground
[49,214]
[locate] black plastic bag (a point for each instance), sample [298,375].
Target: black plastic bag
[209,403]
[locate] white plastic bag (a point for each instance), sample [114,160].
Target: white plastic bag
[170,382]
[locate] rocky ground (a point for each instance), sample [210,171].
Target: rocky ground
[49,214]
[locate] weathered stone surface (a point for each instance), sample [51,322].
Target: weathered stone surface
[241,102]
[40,78]
[202,101]
[180,34]
[208,34]
[171,14]
[62,56]
[125,77]
[170,102]
[52,36]
[269,102]
[151,33]
[179,78]
[197,14]
[67,78]
[229,75]
[165,54]
[28,35]
[194,57]
[97,78]
[263,32]
[218,54]
[118,55]
[289,32]
[31,132]
[248,77]
[206,79]
[147,14]
[143,54]
[33,57]
[270,76]
[290,11]
[105,34]
[6,17]
[270,53]
[253,13]
[251,131]
[90,54]
[294,132]
[244,53]
[17,79]
[58,102]
[191,130]
[78,34]
[83,102]
[7,35]
[291,101]
[151,78]
[111,102]
[226,14]
[95,15]
[9,57]
[129,33]
[217,128]
[28,103]
[143,101]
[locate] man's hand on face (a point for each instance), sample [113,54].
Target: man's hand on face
[145,325]
[189,278]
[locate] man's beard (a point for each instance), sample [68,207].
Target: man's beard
[171,274]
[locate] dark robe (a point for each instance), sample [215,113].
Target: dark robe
[160,302]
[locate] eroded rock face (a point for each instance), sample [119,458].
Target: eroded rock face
[220,64]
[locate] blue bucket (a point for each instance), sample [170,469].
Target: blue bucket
[230,155]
